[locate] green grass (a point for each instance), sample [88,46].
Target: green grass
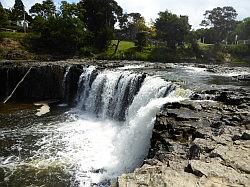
[13,35]
[205,47]
[123,46]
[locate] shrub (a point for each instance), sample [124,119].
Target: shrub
[240,50]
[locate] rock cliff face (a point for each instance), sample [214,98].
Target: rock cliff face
[42,82]
[203,142]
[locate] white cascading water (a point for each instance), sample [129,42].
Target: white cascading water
[110,129]
[124,105]
[64,82]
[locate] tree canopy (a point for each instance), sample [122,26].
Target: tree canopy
[90,26]
[172,28]
[17,11]
[3,17]
[222,19]
[100,17]
[243,29]
[46,9]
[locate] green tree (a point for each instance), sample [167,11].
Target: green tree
[130,25]
[37,10]
[243,29]
[141,40]
[61,33]
[206,35]
[3,17]
[121,33]
[69,10]
[46,9]
[136,23]
[222,19]
[100,17]
[41,13]
[18,11]
[172,28]
[38,23]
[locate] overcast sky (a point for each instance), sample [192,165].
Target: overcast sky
[150,8]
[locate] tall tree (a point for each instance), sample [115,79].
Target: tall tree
[46,9]
[141,40]
[243,29]
[69,10]
[100,17]
[172,28]
[130,25]
[3,17]
[136,24]
[61,33]
[222,19]
[17,11]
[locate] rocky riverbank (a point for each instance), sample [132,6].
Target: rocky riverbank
[202,142]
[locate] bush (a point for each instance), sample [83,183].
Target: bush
[163,54]
[240,50]
[86,51]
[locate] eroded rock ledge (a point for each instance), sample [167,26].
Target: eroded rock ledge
[203,142]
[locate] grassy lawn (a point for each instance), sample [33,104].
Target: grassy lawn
[205,47]
[123,46]
[13,35]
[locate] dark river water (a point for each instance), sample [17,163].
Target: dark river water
[107,133]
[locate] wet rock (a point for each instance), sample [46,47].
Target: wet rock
[196,96]
[229,99]
[217,124]
[2,175]
[244,136]
[43,82]
[194,152]
[212,70]
[243,77]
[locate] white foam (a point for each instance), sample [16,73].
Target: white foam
[127,67]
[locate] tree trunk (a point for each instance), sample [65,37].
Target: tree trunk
[116,47]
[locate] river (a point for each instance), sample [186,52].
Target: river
[108,130]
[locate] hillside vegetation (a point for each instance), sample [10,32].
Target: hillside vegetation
[85,30]
[14,46]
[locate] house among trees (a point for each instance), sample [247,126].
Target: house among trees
[23,23]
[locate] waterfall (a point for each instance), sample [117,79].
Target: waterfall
[108,132]
[130,102]
[132,142]
[64,82]
[84,84]
[110,94]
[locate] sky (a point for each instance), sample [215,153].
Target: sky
[150,8]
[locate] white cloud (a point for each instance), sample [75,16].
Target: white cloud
[150,8]
[193,8]
[27,3]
